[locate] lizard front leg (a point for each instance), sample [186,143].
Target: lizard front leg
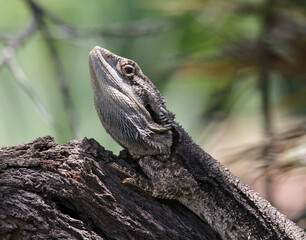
[133,178]
[167,180]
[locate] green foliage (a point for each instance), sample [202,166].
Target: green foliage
[220,44]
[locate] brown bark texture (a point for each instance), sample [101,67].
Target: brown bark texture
[51,191]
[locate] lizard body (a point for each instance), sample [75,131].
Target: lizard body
[133,112]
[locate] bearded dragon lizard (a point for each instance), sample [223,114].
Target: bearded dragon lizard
[133,112]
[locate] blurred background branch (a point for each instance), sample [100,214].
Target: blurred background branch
[232,71]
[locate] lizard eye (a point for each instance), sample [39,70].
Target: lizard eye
[128,70]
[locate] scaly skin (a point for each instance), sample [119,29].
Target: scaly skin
[129,106]
[133,112]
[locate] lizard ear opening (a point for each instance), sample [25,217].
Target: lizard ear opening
[152,113]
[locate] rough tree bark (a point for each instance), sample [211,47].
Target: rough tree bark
[48,191]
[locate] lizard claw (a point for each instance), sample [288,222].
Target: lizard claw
[141,183]
[133,178]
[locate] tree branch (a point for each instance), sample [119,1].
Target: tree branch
[67,192]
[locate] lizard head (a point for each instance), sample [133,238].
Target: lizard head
[125,98]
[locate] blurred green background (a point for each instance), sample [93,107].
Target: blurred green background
[233,71]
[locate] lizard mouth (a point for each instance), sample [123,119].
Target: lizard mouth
[153,114]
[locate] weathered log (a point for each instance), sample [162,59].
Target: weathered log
[48,191]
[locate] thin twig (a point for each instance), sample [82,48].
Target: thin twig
[39,23]
[63,84]
[4,37]
[67,32]
[264,87]
[7,58]
[39,14]
[9,51]
[23,82]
